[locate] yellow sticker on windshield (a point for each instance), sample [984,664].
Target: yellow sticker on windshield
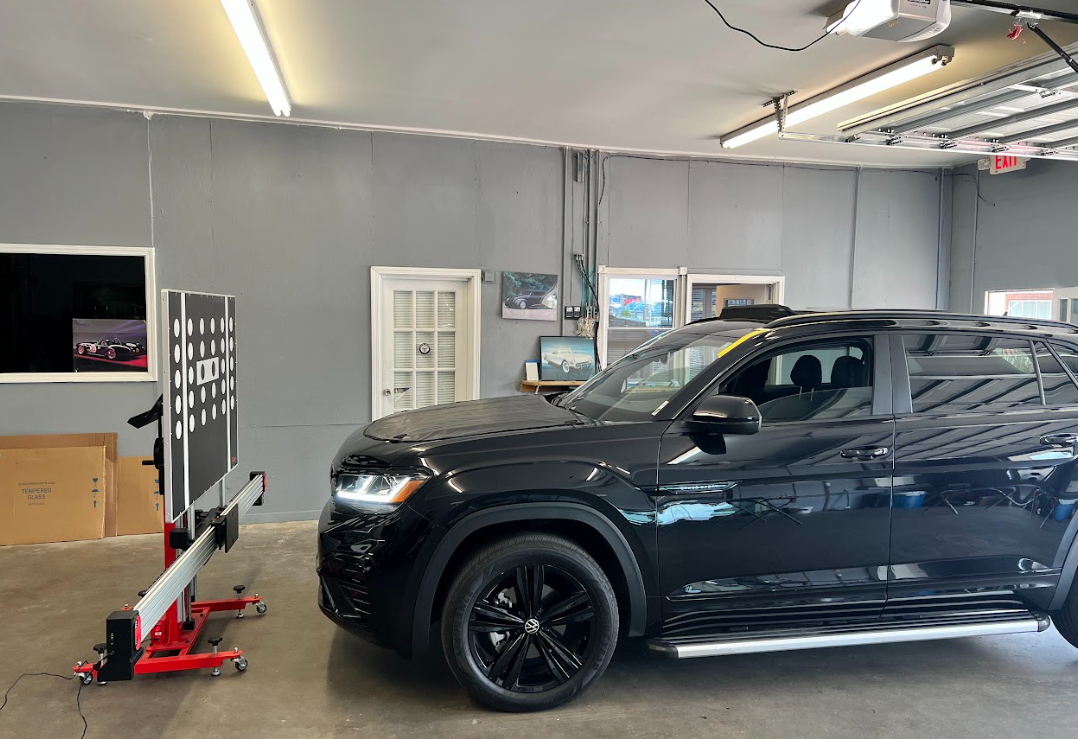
[742,340]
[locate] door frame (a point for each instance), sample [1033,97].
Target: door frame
[779,282]
[473,286]
[605,272]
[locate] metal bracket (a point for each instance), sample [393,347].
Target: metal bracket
[781,104]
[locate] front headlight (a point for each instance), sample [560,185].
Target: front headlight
[388,488]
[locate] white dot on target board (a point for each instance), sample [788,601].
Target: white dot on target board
[203,394]
[190,374]
[191,398]
[190,326]
[191,422]
[202,325]
[212,324]
[176,354]
[232,382]
[179,378]
[222,386]
[232,402]
[179,404]
[202,348]
[179,429]
[203,416]
[232,363]
[222,405]
[190,350]
[213,388]
[222,346]
[231,343]
[231,324]
[214,409]
[176,328]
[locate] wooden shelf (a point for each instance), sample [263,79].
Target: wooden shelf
[531,386]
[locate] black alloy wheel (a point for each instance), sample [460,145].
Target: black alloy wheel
[529,623]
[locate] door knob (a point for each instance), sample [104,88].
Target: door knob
[866,453]
[1060,439]
[387,392]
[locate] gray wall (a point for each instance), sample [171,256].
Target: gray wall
[290,219]
[843,237]
[1020,233]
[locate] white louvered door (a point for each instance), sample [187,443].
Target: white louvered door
[426,344]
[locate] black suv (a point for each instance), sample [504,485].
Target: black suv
[731,486]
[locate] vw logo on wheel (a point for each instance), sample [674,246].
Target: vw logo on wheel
[531,626]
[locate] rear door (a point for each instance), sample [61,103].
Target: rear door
[985,466]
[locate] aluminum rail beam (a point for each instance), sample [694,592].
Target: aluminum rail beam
[1034,133]
[1063,143]
[1028,115]
[170,585]
[989,102]
[895,117]
[1023,12]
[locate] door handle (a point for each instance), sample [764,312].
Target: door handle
[866,453]
[1061,440]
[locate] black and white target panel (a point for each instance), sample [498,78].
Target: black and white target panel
[200,411]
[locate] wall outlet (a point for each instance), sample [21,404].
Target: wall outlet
[488,275]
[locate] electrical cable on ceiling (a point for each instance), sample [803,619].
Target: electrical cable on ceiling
[78,695]
[758,40]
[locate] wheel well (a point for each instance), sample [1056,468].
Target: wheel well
[581,533]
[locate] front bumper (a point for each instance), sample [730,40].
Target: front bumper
[368,571]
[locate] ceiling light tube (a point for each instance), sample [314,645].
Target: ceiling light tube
[245,21]
[868,85]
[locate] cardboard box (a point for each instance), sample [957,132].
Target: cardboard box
[57,488]
[139,503]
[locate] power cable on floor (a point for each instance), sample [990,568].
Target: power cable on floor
[757,39]
[78,695]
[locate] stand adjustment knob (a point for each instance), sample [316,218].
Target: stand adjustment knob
[239,589]
[215,642]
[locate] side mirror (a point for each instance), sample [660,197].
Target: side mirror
[728,414]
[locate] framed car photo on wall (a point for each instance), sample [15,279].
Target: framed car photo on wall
[566,358]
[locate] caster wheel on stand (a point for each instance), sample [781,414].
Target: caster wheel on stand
[86,677]
[241,664]
[261,608]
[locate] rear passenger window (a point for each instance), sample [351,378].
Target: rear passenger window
[1059,389]
[958,373]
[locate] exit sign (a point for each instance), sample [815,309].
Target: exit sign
[1000,163]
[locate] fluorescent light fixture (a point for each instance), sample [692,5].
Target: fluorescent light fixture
[870,84]
[244,19]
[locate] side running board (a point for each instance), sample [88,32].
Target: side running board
[742,643]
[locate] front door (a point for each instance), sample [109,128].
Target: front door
[986,468]
[790,523]
[424,330]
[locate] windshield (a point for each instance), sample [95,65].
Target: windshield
[635,386]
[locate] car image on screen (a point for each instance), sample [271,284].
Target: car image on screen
[110,348]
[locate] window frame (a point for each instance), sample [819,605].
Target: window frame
[882,393]
[1054,349]
[147,254]
[903,401]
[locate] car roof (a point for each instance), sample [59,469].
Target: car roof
[893,319]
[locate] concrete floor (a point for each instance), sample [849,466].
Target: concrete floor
[307,678]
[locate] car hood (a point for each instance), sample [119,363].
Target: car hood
[472,418]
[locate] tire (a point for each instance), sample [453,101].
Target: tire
[81,350]
[520,304]
[565,366]
[112,353]
[1066,618]
[581,618]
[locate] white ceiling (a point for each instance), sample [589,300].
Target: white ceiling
[642,75]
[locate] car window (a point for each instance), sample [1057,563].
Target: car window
[1059,388]
[959,373]
[813,381]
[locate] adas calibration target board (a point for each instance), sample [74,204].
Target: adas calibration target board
[200,412]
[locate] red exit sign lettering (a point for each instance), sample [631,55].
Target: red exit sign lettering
[1000,163]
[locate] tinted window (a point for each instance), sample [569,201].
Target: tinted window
[817,381]
[955,373]
[1059,389]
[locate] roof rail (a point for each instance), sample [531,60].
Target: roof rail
[913,313]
